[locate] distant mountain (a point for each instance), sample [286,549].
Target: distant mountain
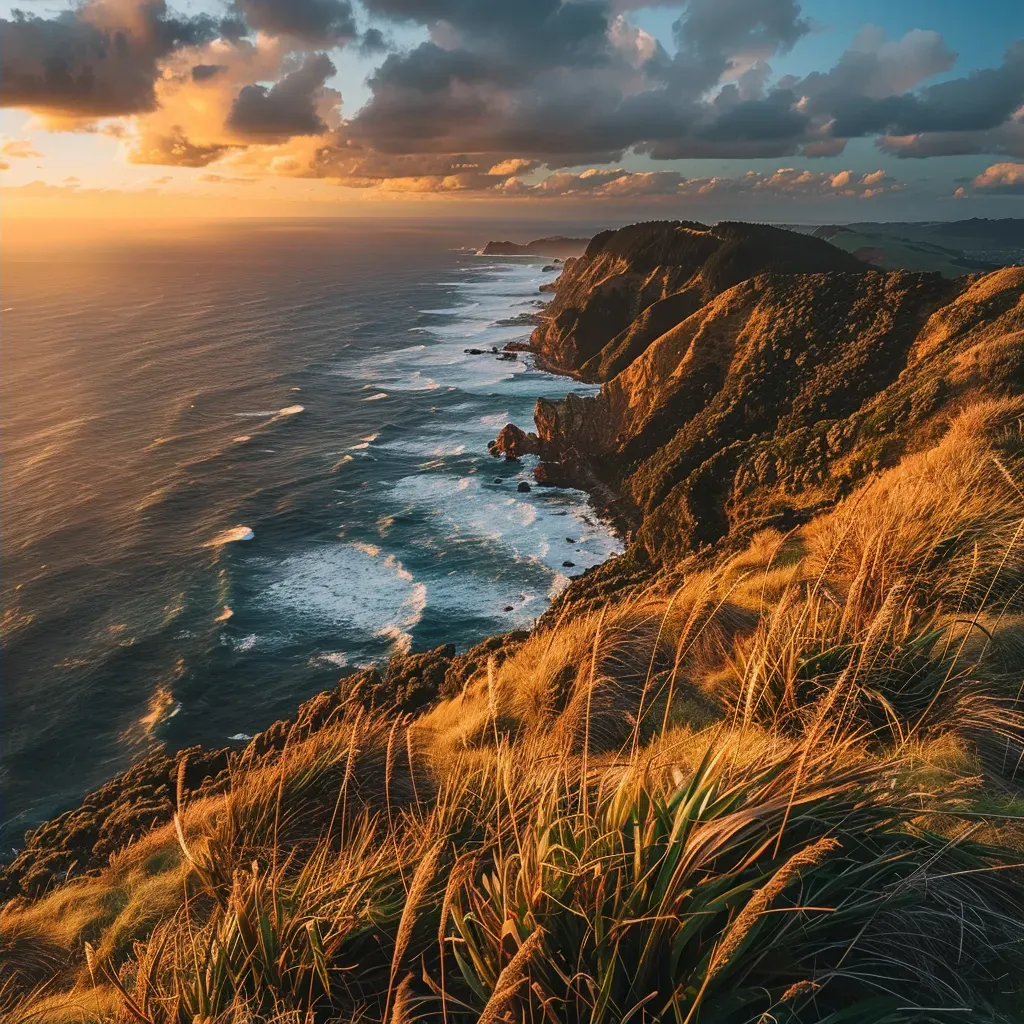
[554,246]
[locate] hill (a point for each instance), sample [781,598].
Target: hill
[765,765]
[554,246]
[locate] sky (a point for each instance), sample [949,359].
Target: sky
[708,109]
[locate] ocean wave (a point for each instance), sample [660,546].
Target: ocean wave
[348,586]
[376,397]
[236,533]
[291,410]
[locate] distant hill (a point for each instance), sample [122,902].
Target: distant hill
[950,248]
[555,246]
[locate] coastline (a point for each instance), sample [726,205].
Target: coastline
[133,801]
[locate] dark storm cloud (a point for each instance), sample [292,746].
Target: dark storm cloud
[318,22]
[204,72]
[713,36]
[97,60]
[288,107]
[980,101]
[373,41]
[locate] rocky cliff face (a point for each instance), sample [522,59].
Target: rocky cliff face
[634,284]
[736,406]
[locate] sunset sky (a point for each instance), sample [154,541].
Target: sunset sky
[764,109]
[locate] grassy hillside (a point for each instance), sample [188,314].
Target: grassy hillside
[774,777]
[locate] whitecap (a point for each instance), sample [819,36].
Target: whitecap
[291,410]
[240,737]
[241,439]
[401,641]
[236,533]
[377,397]
[336,658]
[224,615]
[359,447]
[367,549]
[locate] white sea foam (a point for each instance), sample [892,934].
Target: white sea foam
[224,615]
[240,737]
[291,410]
[359,447]
[236,533]
[377,397]
[347,586]
[241,439]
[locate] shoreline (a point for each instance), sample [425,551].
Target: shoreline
[149,777]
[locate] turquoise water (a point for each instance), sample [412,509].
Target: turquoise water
[238,464]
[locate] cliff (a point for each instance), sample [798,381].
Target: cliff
[632,285]
[798,689]
[554,247]
[753,404]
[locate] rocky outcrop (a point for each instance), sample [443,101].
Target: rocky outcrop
[633,284]
[554,246]
[513,443]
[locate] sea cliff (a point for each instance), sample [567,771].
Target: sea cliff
[797,689]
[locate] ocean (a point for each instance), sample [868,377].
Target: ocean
[242,460]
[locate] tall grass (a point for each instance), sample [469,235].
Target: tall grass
[776,786]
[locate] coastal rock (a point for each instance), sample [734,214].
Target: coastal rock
[513,443]
[464,667]
[409,683]
[773,397]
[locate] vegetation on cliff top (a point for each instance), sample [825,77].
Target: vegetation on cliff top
[776,778]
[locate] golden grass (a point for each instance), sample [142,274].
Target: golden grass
[769,735]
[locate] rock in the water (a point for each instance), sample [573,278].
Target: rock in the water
[513,442]
[568,564]
[524,487]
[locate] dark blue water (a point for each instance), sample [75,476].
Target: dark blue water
[301,385]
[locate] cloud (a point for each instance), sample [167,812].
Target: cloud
[175,149]
[97,60]
[19,149]
[498,96]
[1004,179]
[220,179]
[318,22]
[204,72]
[287,108]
